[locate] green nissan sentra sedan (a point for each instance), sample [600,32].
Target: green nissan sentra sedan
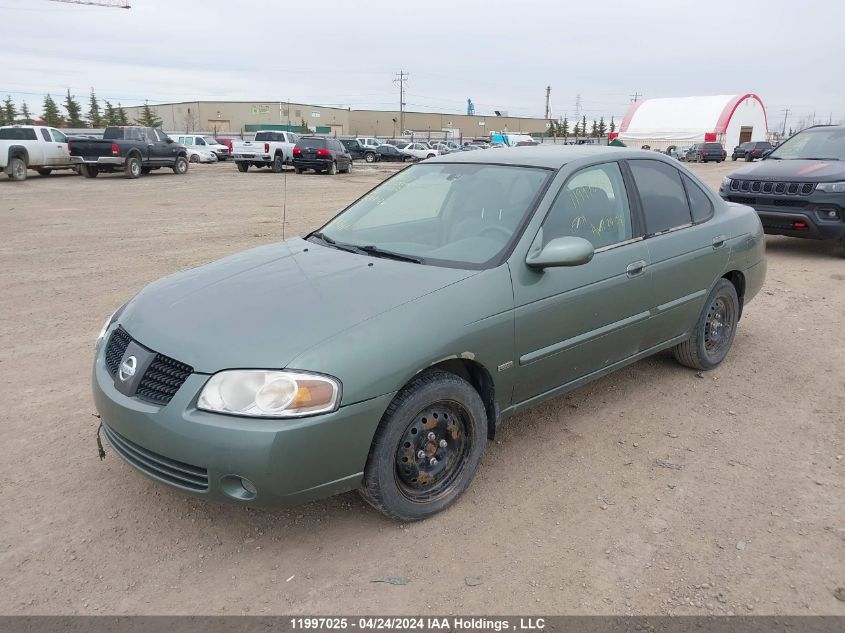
[383,350]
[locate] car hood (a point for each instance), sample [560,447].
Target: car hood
[799,170]
[264,307]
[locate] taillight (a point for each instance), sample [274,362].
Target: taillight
[69,147]
[115,150]
[266,148]
[297,151]
[323,152]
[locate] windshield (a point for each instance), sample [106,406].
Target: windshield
[210,140]
[824,142]
[463,214]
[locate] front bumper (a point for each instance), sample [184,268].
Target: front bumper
[97,160]
[205,454]
[807,221]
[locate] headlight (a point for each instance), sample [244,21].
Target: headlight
[269,394]
[831,187]
[726,182]
[108,324]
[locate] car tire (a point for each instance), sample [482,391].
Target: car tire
[369,157]
[278,164]
[146,170]
[733,157]
[438,414]
[45,172]
[748,157]
[16,169]
[431,156]
[132,167]
[332,169]
[297,170]
[840,247]
[714,331]
[194,158]
[89,171]
[242,167]
[180,167]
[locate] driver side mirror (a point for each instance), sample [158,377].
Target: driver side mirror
[561,251]
[169,140]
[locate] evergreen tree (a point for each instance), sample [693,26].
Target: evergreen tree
[564,128]
[612,125]
[109,114]
[26,115]
[51,116]
[74,112]
[121,116]
[10,112]
[95,117]
[602,129]
[594,131]
[584,126]
[303,126]
[148,117]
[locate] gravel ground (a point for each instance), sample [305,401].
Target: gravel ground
[654,490]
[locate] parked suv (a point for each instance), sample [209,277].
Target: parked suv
[704,152]
[751,150]
[798,189]
[322,154]
[357,150]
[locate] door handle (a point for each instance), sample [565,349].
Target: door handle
[635,268]
[719,241]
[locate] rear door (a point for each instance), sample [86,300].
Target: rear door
[574,321]
[43,153]
[687,253]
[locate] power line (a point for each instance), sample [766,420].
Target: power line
[635,97]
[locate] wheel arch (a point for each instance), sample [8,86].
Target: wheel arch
[737,278]
[480,378]
[19,151]
[135,153]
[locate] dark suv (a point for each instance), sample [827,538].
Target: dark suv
[798,189]
[322,154]
[704,152]
[356,150]
[751,150]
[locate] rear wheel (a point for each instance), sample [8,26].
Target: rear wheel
[370,157]
[748,157]
[714,331]
[45,171]
[195,158]
[242,167]
[297,170]
[146,170]
[132,168]
[16,169]
[431,156]
[278,164]
[427,447]
[89,171]
[180,167]
[332,170]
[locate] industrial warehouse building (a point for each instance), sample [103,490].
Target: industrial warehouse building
[242,117]
[727,119]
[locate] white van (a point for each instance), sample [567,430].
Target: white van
[201,142]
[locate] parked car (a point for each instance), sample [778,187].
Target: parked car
[203,144]
[678,152]
[396,141]
[269,148]
[358,151]
[134,150]
[799,188]
[441,147]
[200,155]
[751,150]
[706,152]
[226,142]
[383,350]
[322,154]
[24,147]
[417,151]
[369,142]
[390,154]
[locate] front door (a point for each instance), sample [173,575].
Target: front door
[59,154]
[163,151]
[574,321]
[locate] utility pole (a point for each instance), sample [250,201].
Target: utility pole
[577,106]
[401,78]
[635,97]
[785,114]
[548,102]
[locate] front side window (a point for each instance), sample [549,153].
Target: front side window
[200,141]
[593,204]
[58,137]
[465,214]
[662,195]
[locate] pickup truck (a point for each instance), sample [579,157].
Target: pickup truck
[135,150]
[269,148]
[24,147]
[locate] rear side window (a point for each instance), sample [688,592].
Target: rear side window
[17,134]
[700,204]
[662,194]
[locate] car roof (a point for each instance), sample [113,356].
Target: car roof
[548,156]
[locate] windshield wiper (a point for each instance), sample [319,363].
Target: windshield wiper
[375,251]
[349,248]
[821,158]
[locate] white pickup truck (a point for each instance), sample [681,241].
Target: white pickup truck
[269,148]
[24,147]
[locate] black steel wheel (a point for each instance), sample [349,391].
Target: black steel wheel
[427,447]
[714,332]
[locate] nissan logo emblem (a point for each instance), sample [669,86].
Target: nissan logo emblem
[127,368]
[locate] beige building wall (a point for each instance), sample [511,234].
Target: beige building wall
[234,116]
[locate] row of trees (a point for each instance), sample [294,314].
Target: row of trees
[97,116]
[597,130]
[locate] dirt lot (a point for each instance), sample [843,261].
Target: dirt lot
[655,490]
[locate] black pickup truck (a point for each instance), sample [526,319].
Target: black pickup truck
[134,150]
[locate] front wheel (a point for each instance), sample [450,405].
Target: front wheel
[180,167]
[427,447]
[714,331]
[242,167]
[733,157]
[16,169]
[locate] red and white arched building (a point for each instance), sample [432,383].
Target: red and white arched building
[728,119]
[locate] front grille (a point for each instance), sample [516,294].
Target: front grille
[168,470]
[792,204]
[742,199]
[163,377]
[117,345]
[769,187]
